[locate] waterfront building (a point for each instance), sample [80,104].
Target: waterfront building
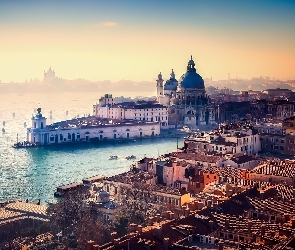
[137,111]
[88,129]
[188,102]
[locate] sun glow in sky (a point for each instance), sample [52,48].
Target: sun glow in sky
[135,40]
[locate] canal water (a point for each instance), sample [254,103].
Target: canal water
[36,172]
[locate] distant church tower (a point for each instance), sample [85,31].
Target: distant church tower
[50,74]
[160,85]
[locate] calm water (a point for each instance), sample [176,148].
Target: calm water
[35,173]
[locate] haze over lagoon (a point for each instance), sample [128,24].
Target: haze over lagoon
[35,173]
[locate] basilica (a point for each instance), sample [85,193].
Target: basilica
[186,98]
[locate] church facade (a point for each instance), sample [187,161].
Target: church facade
[189,105]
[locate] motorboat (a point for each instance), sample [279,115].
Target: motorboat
[113,157]
[130,157]
[3,130]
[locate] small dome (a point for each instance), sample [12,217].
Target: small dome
[191,80]
[104,194]
[171,84]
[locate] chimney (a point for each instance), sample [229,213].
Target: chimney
[90,244]
[116,243]
[114,235]
[226,225]
[151,221]
[158,217]
[220,245]
[158,232]
[249,226]
[186,212]
[263,229]
[171,216]
[183,210]
[211,225]
[166,243]
[133,227]
[139,229]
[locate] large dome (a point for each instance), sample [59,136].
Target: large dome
[191,80]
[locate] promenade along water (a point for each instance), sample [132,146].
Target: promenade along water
[36,172]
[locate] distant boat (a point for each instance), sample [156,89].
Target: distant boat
[113,157]
[3,123]
[67,112]
[130,157]
[50,111]
[25,124]
[13,114]
[50,116]
[3,130]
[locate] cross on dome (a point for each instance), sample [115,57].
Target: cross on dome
[191,61]
[172,75]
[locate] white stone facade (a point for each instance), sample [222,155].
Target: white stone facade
[149,112]
[55,134]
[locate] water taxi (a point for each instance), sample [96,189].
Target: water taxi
[130,157]
[113,157]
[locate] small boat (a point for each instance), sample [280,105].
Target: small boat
[130,157]
[25,124]
[3,123]
[13,114]
[3,130]
[67,112]
[113,157]
[24,144]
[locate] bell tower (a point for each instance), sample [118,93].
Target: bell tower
[160,85]
[38,121]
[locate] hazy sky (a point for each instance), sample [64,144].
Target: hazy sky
[135,40]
